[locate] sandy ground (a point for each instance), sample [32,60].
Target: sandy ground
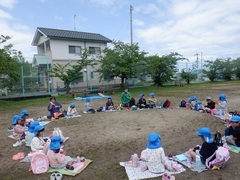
[108,138]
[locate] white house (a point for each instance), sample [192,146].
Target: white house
[63,46]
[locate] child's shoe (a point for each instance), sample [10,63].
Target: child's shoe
[70,167]
[167,176]
[18,143]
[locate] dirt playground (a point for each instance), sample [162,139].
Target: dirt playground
[108,138]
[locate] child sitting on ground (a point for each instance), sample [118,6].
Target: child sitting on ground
[57,158]
[152,100]
[232,133]
[54,109]
[18,130]
[38,143]
[208,147]
[88,106]
[72,111]
[109,104]
[222,105]
[142,103]
[30,133]
[23,115]
[154,156]
[210,105]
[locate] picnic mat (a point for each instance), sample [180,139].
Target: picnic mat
[187,161]
[78,168]
[234,149]
[134,173]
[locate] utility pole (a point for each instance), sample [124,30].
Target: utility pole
[131,36]
[197,59]
[74,19]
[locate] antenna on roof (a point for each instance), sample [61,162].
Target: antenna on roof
[74,19]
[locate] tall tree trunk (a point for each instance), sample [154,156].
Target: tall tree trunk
[122,81]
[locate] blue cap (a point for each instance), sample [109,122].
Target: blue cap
[206,133]
[222,97]
[24,112]
[141,95]
[154,141]
[72,105]
[37,129]
[54,145]
[192,98]
[152,94]
[56,139]
[15,119]
[32,126]
[88,99]
[235,119]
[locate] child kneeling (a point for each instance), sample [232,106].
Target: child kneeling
[57,158]
[154,156]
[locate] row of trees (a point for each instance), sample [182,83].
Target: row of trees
[121,60]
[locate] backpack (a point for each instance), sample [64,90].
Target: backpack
[197,106]
[132,102]
[166,104]
[39,162]
[222,156]
[218,138]
[183,103]
[100,109]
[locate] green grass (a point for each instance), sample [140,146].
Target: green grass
[159,91]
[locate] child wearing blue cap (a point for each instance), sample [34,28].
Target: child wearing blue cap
[38,143]
[208,147]
[54,109]
[88,106]
[232,133]
[152,100]
[18,130]
[56,157]
[142,103]
[154,156]
[30,133]
[222,105]
[72,111]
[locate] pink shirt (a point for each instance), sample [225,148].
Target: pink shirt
[18,131]
[55,159]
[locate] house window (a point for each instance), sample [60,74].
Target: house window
[91,75]
[94,50]
[74,49]
[107,77]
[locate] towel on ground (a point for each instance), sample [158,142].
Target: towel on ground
[78,168]
[136,172]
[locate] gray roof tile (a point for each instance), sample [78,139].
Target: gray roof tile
[67,34]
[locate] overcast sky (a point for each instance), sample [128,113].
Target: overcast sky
[188,27]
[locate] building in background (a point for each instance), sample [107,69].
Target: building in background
[64,46]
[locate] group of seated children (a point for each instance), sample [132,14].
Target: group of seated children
[210,107]
[34,138]
[142,103]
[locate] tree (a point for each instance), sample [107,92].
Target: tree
[69,73]
[220,68]
[120,60]
[8,63]
[163,69]
[213,67]
[188,76]
[236,64]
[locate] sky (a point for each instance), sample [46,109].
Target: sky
[210,28]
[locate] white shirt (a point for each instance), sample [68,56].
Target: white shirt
[155,159]
[223,106]
[29,138]
[37,143]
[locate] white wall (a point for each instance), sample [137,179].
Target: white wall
[60,51]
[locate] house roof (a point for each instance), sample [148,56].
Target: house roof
[68,35]
[39,60]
